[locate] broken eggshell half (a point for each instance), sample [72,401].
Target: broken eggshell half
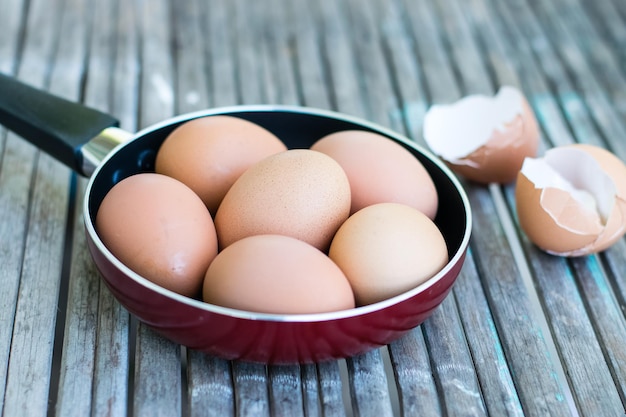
[572,202]
[482,138]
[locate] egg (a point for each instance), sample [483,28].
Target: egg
[209,153]
[572,201]
[299,193]
[159,228]
[276,274]
[484,139]
[386,249]
[380,171]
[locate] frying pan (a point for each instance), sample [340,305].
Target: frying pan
[90,142]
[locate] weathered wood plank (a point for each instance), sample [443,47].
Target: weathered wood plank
[14,181]
[604,311]
[581,43]
[42,237]
[404,70]
[191,86]
[157,75]
[252,397]
[496,383]
[308,60]
[157,379]
[522,336]
[606,19]
[276,47]
[331,389]
[592,383]
[210,391]
[337,55]
[413,376]
[453,368]
[222,60]
[285,389]
[12,19]
[373,77]
[248,71]
[311,393]
[368,385]
[79,336]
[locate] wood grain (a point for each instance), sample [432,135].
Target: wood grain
[522,333]
[44,188]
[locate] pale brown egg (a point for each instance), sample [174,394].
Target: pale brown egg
[276,274]
[380,171]
[484,139]
[386,249]
[299,193]
[159,228]
[208,154]
[572,202]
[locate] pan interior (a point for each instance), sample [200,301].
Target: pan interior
[297,130]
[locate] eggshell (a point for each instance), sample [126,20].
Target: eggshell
[484,139]
[380,171]
[276,274]
[299,193]
[386,249]
[572,202]
[210,153]
[159,228]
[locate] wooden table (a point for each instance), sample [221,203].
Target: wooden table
[523,333]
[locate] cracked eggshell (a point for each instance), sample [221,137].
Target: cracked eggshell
[572,202]
[484,139]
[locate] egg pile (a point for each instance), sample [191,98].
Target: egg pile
[232,216]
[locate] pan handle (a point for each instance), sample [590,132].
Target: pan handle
[70,132]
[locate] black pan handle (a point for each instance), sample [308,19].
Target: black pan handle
[57,126]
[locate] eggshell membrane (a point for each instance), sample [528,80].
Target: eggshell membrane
[560,225]
[386,249]
[501,145]
[159,228]
[299,193]
[616,169]
[276,274]
[208,154]
[380,170]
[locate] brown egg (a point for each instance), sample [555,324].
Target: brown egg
[159,228]
[572,202]
[386,249]
[299,193]
[484,139]
[210,153]
[276,274]
[380,171]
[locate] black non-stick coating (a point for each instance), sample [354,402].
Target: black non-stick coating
[296,130]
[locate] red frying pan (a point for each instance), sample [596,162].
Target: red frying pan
[89,142]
